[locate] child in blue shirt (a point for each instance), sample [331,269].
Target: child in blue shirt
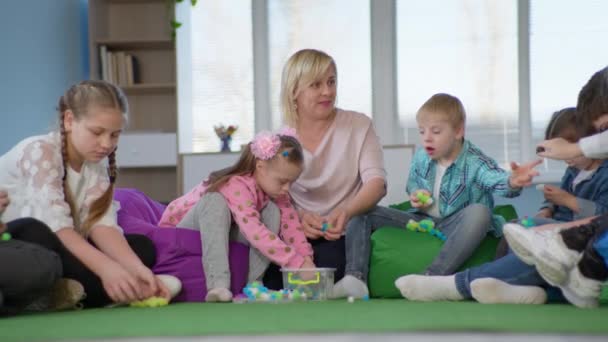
[571,259]
[584,188]
[462,180]
[574,256]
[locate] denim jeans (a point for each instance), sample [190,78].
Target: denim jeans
[464,231]
[358,232]
[508,269]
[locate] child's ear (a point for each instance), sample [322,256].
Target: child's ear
[68,120]
[460,131]
[259,164]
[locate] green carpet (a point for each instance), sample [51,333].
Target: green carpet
[339,316]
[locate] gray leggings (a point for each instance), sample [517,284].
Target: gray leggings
[212,217]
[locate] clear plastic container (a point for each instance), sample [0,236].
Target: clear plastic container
[315,283]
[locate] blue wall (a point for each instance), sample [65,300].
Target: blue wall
[43,52]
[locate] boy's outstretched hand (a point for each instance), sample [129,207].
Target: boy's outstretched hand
[522,175]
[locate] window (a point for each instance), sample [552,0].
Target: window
[327,25]
[511,66]
[218,74]
[216,67]
[567,45]
[467,49]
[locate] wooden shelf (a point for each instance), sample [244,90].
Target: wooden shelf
[133,1]
[137,43]
[149,88]
[147,157]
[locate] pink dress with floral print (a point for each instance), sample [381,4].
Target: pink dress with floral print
[245,201]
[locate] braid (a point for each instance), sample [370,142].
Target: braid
[67,193]
[78,99]
[112,172]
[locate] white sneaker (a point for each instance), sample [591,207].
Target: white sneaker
[524,241]
[581,291]
[555,261]
[173,284]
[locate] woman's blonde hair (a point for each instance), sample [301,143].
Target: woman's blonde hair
[79,99]
[302,69]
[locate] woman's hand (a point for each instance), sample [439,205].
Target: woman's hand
[119,284]
[337,220]
[559,196]
[558,148]
[522,175]
[415,201]
[4,201]
[312,223]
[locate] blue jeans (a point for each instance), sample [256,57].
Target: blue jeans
[508,269]
[464,231]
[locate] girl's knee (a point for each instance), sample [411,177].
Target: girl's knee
[214,200]
[34,231]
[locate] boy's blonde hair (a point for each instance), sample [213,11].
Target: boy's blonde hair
[302,69]
[447,105]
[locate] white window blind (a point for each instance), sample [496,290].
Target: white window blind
[341,28]
[221,74]
[567,45]
[467,49]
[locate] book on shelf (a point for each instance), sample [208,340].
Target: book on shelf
[118,67]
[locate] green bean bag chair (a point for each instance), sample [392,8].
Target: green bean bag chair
[397,251]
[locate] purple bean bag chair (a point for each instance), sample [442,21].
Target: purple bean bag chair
[178,250]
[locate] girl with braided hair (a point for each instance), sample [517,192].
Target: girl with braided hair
[66,179]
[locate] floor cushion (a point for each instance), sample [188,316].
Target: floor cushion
[397,251]
[178,250]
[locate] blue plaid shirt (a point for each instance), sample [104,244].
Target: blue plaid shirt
[472,178]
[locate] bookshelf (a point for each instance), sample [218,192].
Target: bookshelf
[147,151]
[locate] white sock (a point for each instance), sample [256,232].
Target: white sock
[494,291]
[173,284]
[428,288]
[218,294]
[349,286]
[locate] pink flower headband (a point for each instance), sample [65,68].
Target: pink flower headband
[265,145]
